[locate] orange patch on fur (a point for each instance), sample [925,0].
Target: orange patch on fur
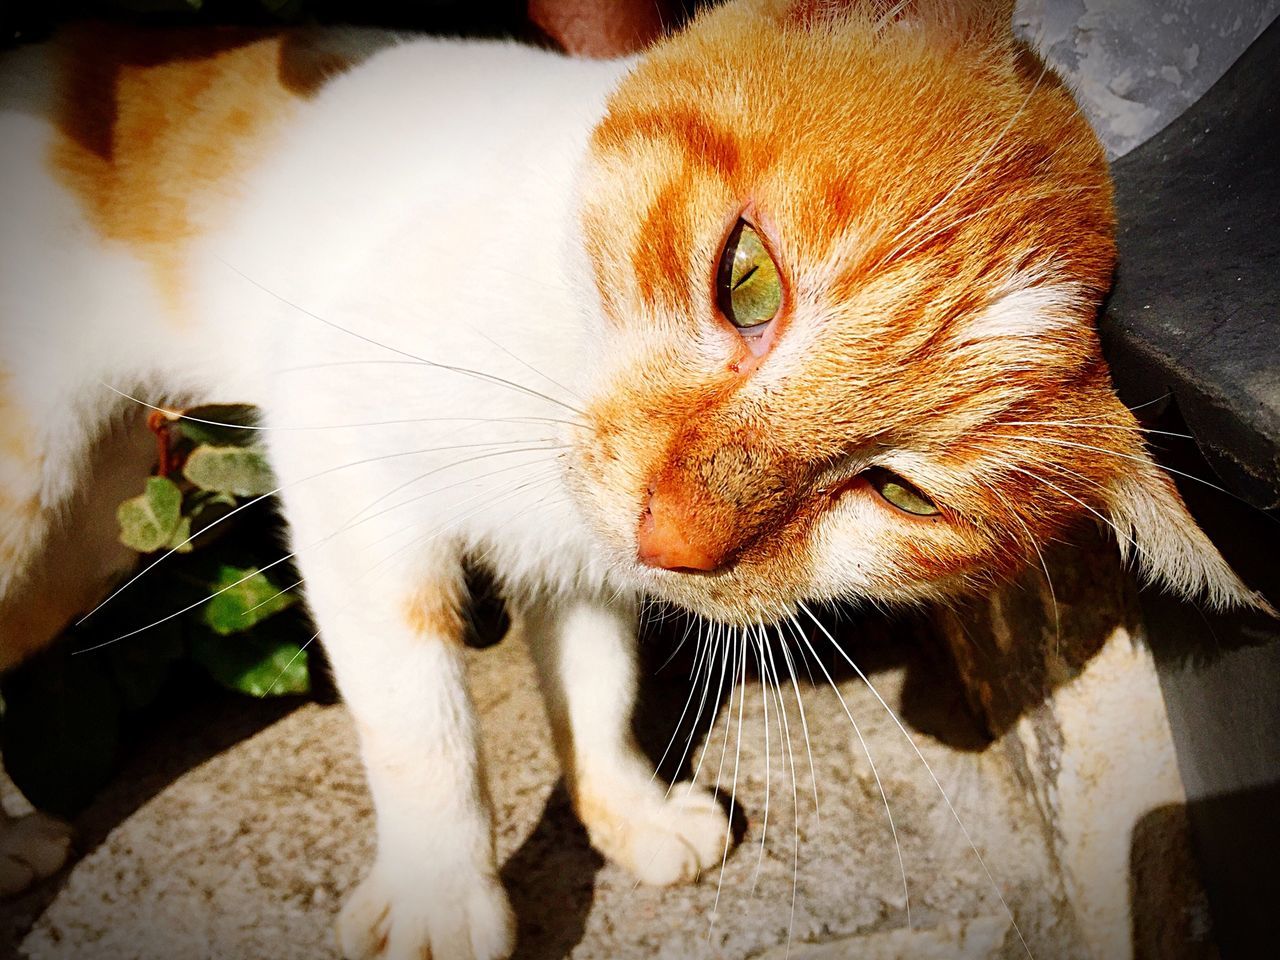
[434,611]
[910,177]
[16,430]
[155,126]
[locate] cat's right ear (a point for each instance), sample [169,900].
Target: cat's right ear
[1158,536]
[994,17]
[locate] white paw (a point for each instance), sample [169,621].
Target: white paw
[662,838]
[31,848]
[399,914]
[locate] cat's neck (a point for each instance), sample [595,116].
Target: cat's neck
[425,201]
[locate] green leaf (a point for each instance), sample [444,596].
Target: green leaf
[180,541]
[242,471]
[247,598]
[220,425]
[149,520]
[259,666]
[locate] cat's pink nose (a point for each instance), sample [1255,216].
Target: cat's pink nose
[662,540]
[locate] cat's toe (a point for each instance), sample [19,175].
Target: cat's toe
[662,840]
[702,823]
[397,915]
[31,848]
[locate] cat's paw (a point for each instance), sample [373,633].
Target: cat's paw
[31,848]
[662,837]
[402,915]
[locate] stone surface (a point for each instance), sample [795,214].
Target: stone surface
[1057,664]
[226,847]
[975,939]
[248,853]
[1136,65]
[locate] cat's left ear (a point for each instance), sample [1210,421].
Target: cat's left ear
[993,17]
[1159,537]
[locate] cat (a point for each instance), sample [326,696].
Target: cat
[796,306]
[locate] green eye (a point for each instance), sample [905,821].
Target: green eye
[748,288]
[900,493]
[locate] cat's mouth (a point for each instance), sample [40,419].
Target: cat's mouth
[722,595]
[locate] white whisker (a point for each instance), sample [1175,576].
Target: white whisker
[884,797]
[932,776]
[451,368]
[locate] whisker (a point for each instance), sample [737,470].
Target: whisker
[266,496]
[712,648]
[696,672]
[718,630]
[688,628]
[173,414]
[932,776]
[206,599]
[884,797]
[423,539]
[733,793]
[355,521]
[1124,456]
[1105,519]
[804,723]
[977,165]
[764,703]
[1091,425]
[1057,622]
[462,482]
[186,609]
[795,794]
[452,368]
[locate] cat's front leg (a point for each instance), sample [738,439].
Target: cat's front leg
[585,651]
[433,891]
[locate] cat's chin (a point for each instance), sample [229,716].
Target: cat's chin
[722,596]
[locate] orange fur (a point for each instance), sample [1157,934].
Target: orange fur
[156,126]
[435,611]
[19,474]
[907,176]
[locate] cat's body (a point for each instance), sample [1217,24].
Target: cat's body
[475,300]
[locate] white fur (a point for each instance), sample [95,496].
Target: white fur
[400,288]
[1027,310]
[422,203]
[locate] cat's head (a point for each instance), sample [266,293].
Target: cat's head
[848,258]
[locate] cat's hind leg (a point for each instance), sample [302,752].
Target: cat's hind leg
[585,652]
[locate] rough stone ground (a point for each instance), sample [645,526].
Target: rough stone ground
[215,846]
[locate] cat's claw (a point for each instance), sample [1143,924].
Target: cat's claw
[31,848]
[662,837]
[395,915]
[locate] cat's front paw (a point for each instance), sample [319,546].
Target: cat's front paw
[662,837]
[31,848]
[400,914]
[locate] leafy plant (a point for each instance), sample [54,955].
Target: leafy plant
[64,711]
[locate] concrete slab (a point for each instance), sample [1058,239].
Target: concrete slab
[224,842]
[249,853]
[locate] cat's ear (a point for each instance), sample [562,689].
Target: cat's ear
[988,16]
[1159,538]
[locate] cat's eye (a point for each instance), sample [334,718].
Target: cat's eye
[899,493]
[748,288]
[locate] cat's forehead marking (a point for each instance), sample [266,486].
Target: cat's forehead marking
[699,139]
[154,126]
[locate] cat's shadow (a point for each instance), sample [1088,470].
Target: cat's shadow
[551,882]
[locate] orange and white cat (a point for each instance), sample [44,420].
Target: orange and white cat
[796,306]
